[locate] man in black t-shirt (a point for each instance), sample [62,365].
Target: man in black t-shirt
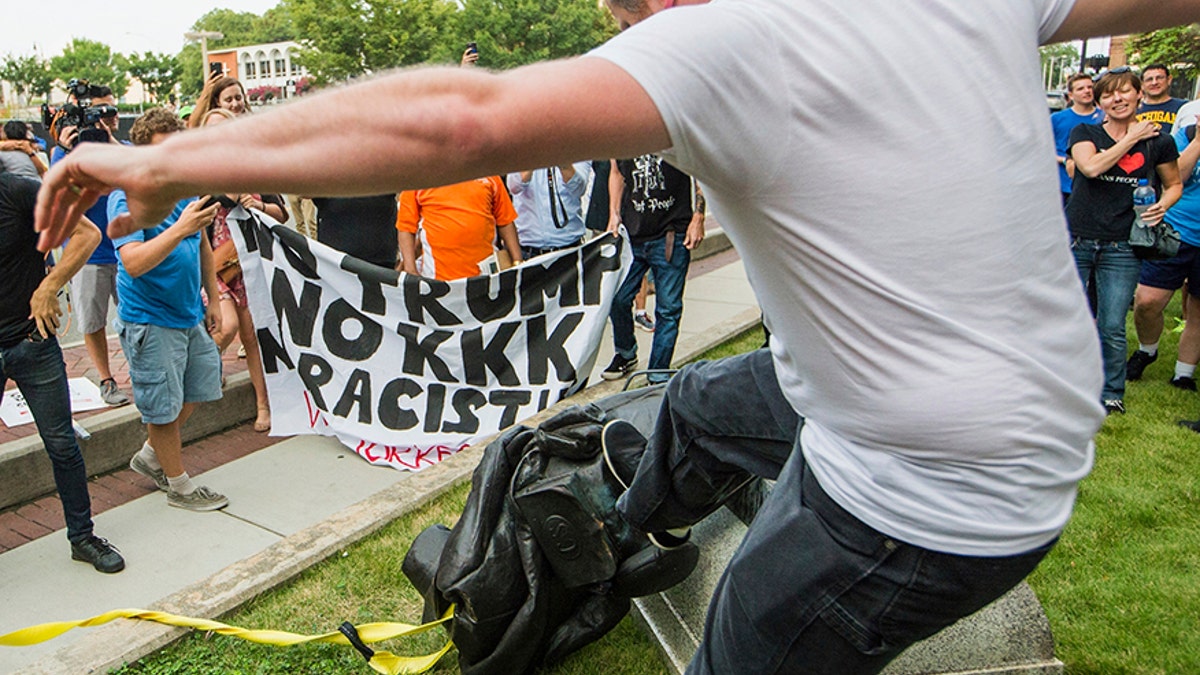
[31,357]
[363,227]
[663,212]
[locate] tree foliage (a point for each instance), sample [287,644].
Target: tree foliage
[28,75]
[240,29]
[93,61]
[1177,47]
[1057,61]
[347,38]
[516,32]
[158,73]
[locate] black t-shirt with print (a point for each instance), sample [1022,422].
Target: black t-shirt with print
[1102,207]
[22,265]
[658,198]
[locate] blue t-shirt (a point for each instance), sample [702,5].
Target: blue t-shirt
[169,294]
[1063,122]
[1185,215]
[104,254]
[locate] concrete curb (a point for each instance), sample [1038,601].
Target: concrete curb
[121,642]
[25,474]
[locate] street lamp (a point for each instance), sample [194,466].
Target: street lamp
[203,36]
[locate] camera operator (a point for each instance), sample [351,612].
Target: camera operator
[96,283]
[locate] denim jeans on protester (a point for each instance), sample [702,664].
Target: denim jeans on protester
[669,279]
[811,588]
[41,376]
[1115,270]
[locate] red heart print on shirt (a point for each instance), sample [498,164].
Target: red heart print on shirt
[1132,162]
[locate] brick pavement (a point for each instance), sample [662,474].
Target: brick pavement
[79,364]
[22,524]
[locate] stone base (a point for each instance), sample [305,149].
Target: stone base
[1009,637]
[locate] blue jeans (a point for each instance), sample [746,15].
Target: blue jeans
[669,279]
[811,588]
[1115,270]
[41,376]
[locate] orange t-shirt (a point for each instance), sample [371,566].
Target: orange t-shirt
[460,223]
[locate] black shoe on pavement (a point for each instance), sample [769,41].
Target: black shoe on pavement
[101,554]
[1184,382]
[1137,364]
[1114,405]
[620,367]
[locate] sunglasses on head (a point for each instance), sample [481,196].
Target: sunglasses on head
[1115,71]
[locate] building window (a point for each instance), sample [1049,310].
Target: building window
[250,71]
[295,68]
[265,67]
[280,67]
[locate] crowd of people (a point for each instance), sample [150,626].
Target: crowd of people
[932,386]
[180,301]
[1123,128]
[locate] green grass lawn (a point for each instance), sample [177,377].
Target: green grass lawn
[1122,588]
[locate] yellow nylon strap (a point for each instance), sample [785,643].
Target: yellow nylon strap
[382,662]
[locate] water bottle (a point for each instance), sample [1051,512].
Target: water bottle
[1143,197]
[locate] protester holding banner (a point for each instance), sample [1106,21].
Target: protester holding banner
[932,387]
[458,225]
[549,204]
[31,357]
[235,314]
[173,362]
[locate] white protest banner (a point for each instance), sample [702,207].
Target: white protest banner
[406,370]
[85,395]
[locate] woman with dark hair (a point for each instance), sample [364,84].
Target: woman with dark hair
[1110,159]
[222,92]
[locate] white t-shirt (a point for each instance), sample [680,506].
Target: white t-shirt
[886,170]
[1188,115]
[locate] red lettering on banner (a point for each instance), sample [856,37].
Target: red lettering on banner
[364,448]
[314,413]
[422,456]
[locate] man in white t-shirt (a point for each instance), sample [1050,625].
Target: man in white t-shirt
[907,249]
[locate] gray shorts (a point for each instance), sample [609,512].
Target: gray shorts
[169,367]
[91,290]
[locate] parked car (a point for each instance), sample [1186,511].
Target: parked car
[1057,100]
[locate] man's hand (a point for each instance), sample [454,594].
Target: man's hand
[248,202]
[44,310]
[67,137]
[614,223]
[469,58]
[75,183]
[196,217]
[695,232]
[212,317]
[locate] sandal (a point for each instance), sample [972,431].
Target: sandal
[261,424]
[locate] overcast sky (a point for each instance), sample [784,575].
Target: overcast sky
[124,25]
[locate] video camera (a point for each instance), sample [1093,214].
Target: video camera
[81,114]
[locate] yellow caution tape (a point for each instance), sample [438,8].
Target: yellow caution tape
[382,662]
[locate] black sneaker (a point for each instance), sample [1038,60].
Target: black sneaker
[1184,382]
[1137,364]
[1114,405]
[101,554]
[620,367]
[623,446]
[1194,425]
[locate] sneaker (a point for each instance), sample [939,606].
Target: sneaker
[111,394]
[622,445]
[1194,425]
[644,322]
[201,499]
[102,555]
[157,475]
[1114,405]
[1184,382]
[1137,364]
[620,367]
